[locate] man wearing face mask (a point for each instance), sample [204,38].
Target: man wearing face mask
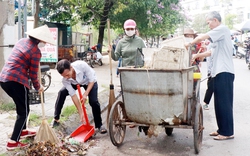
[127,47]
[22,64]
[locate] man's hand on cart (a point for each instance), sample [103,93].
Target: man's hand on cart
[201,55]
[194,56]
[187,45]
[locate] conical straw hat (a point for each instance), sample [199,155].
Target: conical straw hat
[42,33]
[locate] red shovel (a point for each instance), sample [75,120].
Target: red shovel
[83,132]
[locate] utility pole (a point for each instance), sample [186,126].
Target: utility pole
[22,18]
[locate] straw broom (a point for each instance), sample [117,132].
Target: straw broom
[111,86]
[45,132]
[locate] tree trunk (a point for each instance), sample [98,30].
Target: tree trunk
[103,21]
[36,17]
[158,41]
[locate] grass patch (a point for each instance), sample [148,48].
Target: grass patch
[34,120]
[67,112]
[105,86]
[50,119]
[7,107]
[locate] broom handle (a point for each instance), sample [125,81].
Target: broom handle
[40,81]
[83,106]
[110,61]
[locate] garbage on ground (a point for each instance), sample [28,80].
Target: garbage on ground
[69,147]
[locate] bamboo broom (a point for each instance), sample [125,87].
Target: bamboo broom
[111,86]
[45,132]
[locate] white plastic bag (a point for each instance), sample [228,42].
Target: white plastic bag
[99,55]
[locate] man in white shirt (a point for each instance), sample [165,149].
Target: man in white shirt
[222,72]
[78,72]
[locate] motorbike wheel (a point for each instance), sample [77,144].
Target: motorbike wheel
[46,81]
[100,62]
[91,63]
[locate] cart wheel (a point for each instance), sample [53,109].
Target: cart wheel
[169,131]
[116,128]
[198,128]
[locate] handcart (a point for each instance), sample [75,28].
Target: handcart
[167,98]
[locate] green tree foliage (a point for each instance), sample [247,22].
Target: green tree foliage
[153,17]
[199,24]
[58,11]
[230,20]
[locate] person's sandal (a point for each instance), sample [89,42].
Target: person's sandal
[214,134]
[102,130]
[222,137]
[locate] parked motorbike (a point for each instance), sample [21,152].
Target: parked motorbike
[240,53]
[94,57]
[45,77]
[247,52]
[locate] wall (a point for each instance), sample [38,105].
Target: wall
[7,37]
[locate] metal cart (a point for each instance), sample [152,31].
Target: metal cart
[167,98]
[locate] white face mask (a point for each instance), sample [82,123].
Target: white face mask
[188,39]
[41,44]
[130,32]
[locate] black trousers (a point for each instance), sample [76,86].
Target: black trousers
[93,101]
[19,94]
[223,103]
[209,91]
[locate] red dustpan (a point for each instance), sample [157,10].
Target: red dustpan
[83,132]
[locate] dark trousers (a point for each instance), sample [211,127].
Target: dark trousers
[223,103]
[93,101]
[209,91]
[19,94]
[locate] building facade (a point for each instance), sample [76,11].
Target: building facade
[225,7]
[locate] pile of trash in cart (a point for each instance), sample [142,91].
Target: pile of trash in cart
[171,55]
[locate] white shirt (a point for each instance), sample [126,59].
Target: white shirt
[208,59]
[221,56]
[84,75]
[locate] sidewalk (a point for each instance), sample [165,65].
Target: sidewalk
[103,79]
